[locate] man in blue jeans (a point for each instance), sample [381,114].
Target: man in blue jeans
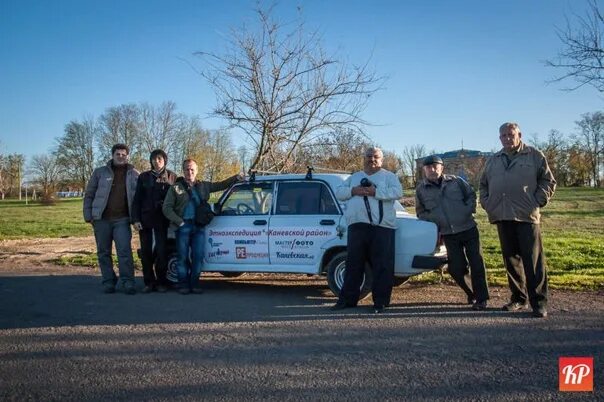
[108,207]
[179,207]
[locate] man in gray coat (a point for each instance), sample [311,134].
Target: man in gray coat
[450,202]
[108,207]
[516,183]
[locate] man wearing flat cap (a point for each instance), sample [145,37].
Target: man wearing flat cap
[450,202]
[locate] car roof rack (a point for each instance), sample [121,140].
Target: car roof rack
[309,172]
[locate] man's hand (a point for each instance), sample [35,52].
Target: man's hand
[240,176]
[138,226]
[364,191]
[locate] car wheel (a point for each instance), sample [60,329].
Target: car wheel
[172,272]
[336,269]
[231,274]
[401,280]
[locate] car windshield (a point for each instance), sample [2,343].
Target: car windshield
[249,199]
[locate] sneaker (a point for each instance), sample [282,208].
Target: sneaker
[162,289]
[479,305]
[108,289]
[514,306]
[379,309]
[147,289]
[197,291]
[540,312]
[130,290]
[184,291]
[471,300]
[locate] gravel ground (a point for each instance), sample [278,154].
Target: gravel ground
[273,337]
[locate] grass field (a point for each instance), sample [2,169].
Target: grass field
[572,228]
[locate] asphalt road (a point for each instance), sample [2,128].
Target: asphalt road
[274,338]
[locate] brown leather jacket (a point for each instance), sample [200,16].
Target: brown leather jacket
[516,191]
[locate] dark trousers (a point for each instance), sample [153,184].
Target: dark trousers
[524,261]
[464,249]
[154,255]
[373,245]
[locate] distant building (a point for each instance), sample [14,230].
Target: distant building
[465,163]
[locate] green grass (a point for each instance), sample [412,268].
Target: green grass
[20,221]
[572,229]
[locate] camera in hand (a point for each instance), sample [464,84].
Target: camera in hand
[365,182]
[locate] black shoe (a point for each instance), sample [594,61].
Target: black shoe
[108,289]
[184,291]
[471,300]
[540,312]
[130,290]
[479,306]
[340,305]
[197,291]
[162,289]
[147,289]
[379,309]
[514,306]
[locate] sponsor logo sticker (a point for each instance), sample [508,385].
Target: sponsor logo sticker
[576,374]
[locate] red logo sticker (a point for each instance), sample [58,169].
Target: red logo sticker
[576,373]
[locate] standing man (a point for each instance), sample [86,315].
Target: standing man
[151,189]
[450,202]
[179,207]
[515,184]
[108,207]
[371,221]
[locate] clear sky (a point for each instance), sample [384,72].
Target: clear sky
[457,69]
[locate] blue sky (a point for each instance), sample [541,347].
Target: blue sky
[457,69]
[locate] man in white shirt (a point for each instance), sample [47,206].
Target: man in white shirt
[371,217]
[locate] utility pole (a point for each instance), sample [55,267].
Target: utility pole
[19,180]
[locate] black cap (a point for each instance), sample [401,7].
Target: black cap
[432,159]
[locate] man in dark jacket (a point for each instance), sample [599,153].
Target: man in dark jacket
[108,207]
[516,183]
[450,202]
[151,189]
[179,207]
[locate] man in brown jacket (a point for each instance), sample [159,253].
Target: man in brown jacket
[450,202]
[515,184]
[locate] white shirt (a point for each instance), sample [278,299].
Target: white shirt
[388,190]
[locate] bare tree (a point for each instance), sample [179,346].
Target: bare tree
[408,158]
[283,91]
[122,124]
[582,56]
[46,172]
[591,139]
[75,151]
[220,159]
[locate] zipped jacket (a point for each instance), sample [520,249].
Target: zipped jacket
[451,205]
[516,191]
[177,198]
[151,190]
[99,188]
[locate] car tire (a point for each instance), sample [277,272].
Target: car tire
[231,274]
[172,269]
[401,280]
[336,269]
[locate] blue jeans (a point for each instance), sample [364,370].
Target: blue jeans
[105,233]
[189,238]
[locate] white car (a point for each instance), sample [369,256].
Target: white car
[293,223]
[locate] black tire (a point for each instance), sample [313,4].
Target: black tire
[336,269]
[231,274]
[401,280]
[172,271]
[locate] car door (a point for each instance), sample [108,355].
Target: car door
[305,217]
[238,235]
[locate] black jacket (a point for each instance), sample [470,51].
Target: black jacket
[151,190]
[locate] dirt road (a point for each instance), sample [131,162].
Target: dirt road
[273,337]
